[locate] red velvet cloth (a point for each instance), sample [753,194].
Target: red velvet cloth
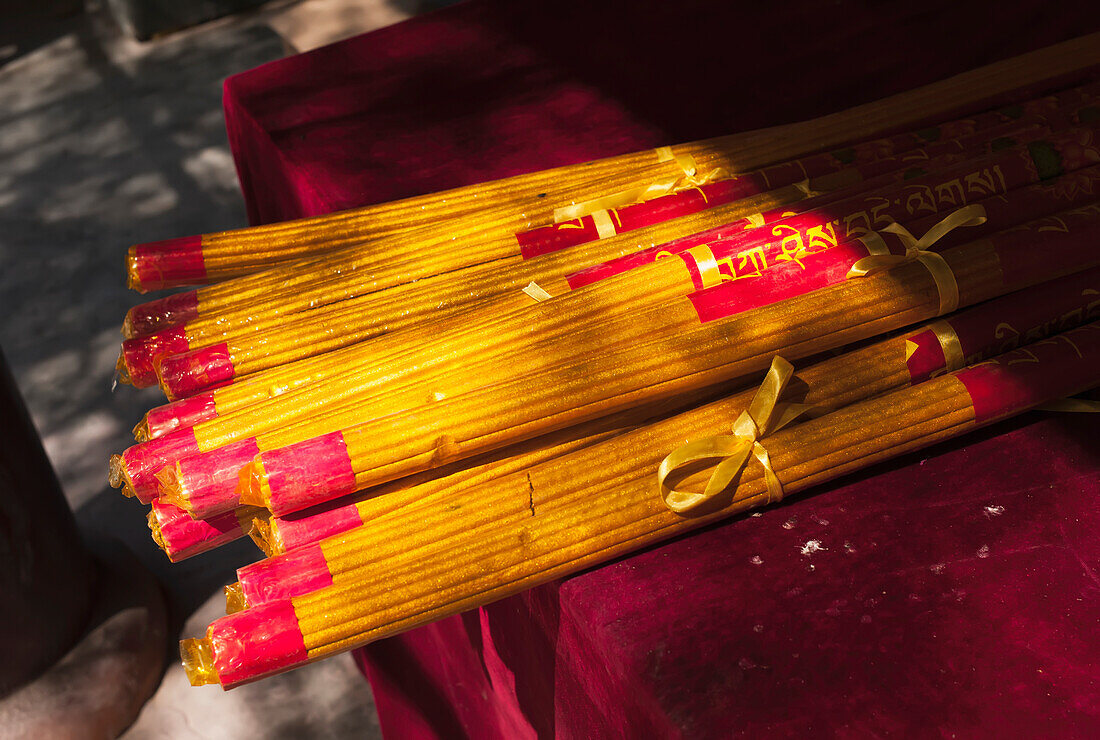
[954,593]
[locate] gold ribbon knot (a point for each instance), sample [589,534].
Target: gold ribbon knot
[763,416]
[664,186]
[917,250]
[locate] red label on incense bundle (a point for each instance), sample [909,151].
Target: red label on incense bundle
[317,522]
[1017,319]
[1004,323]
[141,354]
[1062,365]
[924,356]
[143,461]
[1072,233]
[182,536]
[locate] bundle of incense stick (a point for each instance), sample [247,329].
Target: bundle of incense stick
[966,337]
[196,260]
[334,292]
[665,353]
[246,338]
[1050,111]
[498,546]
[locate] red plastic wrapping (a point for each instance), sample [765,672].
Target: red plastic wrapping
[153,316]
[208,481]
[1060,366]
[184,375]
[316,523]
[326,461]
[186,412]
[141,462]
[181,536]
[166,264]
[294,573]
[256,642]
[140,355]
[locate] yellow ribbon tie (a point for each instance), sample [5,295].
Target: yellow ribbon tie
[917,250]
[1072,406]
[763,416]
[664,186]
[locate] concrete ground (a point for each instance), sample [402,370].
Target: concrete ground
[105,142]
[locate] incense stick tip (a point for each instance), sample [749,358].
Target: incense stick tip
[154,528]
[251,484]
[170,487]
[197,655]
[265,534]
[235,600]
[141,431]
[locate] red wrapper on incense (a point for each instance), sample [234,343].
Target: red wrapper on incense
[182,537]
[964,338]
[583,523]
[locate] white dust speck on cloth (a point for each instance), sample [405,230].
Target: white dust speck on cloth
[811,547]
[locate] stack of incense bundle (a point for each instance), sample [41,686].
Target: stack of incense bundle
[334,305]
[402,578]
[212,257]
[207,483]
[253,346]
[966,337]
[402,393]
[1050,111]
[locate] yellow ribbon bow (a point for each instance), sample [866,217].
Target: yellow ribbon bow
[916,250]
[763,416]
[642,193]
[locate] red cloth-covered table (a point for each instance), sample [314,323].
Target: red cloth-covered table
[954,593]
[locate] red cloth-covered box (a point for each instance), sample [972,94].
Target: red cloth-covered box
[956,593]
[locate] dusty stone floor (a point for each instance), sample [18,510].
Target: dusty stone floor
[105,142]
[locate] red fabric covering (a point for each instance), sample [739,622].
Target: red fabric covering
[954,593]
